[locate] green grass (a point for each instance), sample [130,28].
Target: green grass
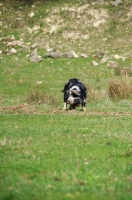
[65,157]
[19,79]
[45,152]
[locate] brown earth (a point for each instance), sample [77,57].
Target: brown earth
[28,109]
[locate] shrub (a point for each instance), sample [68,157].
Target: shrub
[41,97]
[126,71]
[93,94]
[120,89]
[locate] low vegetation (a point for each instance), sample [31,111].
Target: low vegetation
[45,152]
[120,89]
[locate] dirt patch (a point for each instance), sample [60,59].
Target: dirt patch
[72,22]
[96,113]
[23,108]
[28,109]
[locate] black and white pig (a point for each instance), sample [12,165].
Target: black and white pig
[74,94]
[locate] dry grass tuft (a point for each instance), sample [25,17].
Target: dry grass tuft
[126,71]
[93,94]
[120,89]
[41,97]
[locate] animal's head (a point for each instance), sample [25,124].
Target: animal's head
[73,97]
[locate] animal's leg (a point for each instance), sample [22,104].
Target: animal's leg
[65,106]
[84,105]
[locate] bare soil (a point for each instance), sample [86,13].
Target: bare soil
[28,109]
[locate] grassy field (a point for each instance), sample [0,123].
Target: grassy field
[45,152]
[65,157]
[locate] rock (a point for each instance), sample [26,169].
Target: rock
[117,56]
[116,2]
[70,54]
[104,59]
[12,37]
[57,54]
[84,55]
[74,54]
[29,30]
[119,13]
[9,39]
[53,55]
[100,54]
[112,64]
[94,63]
[25,47]
[39,59]
[49,49]
[39,82]
[15,43]
[34,57]
[31,14]
[36,28]
[101,2]
[12,51]
[33,46]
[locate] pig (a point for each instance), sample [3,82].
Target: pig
[74,94]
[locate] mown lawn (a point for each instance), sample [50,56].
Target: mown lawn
[65,157]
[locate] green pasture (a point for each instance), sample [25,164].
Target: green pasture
[65,157]
[47,153]
[41,84]
[50,154]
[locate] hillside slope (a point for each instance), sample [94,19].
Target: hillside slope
[83,27]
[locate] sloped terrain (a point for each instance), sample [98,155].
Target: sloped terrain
[83,26]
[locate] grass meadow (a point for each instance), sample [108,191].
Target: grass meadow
[65,157]
[50,154]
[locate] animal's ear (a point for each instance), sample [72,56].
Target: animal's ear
[63,91]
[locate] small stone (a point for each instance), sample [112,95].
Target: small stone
[29,30]
[34,57]
[70,54]
[117,56]
[100,54]
[33,46]
[104,59]
[112,64]
[12,51]
[74,54]
[94,63]
[116,2]
[53,55]
[12,37]
[25,47]
[35,28]
[31,14]
[84,55]
[49,49]
[39,82]
[15,43]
